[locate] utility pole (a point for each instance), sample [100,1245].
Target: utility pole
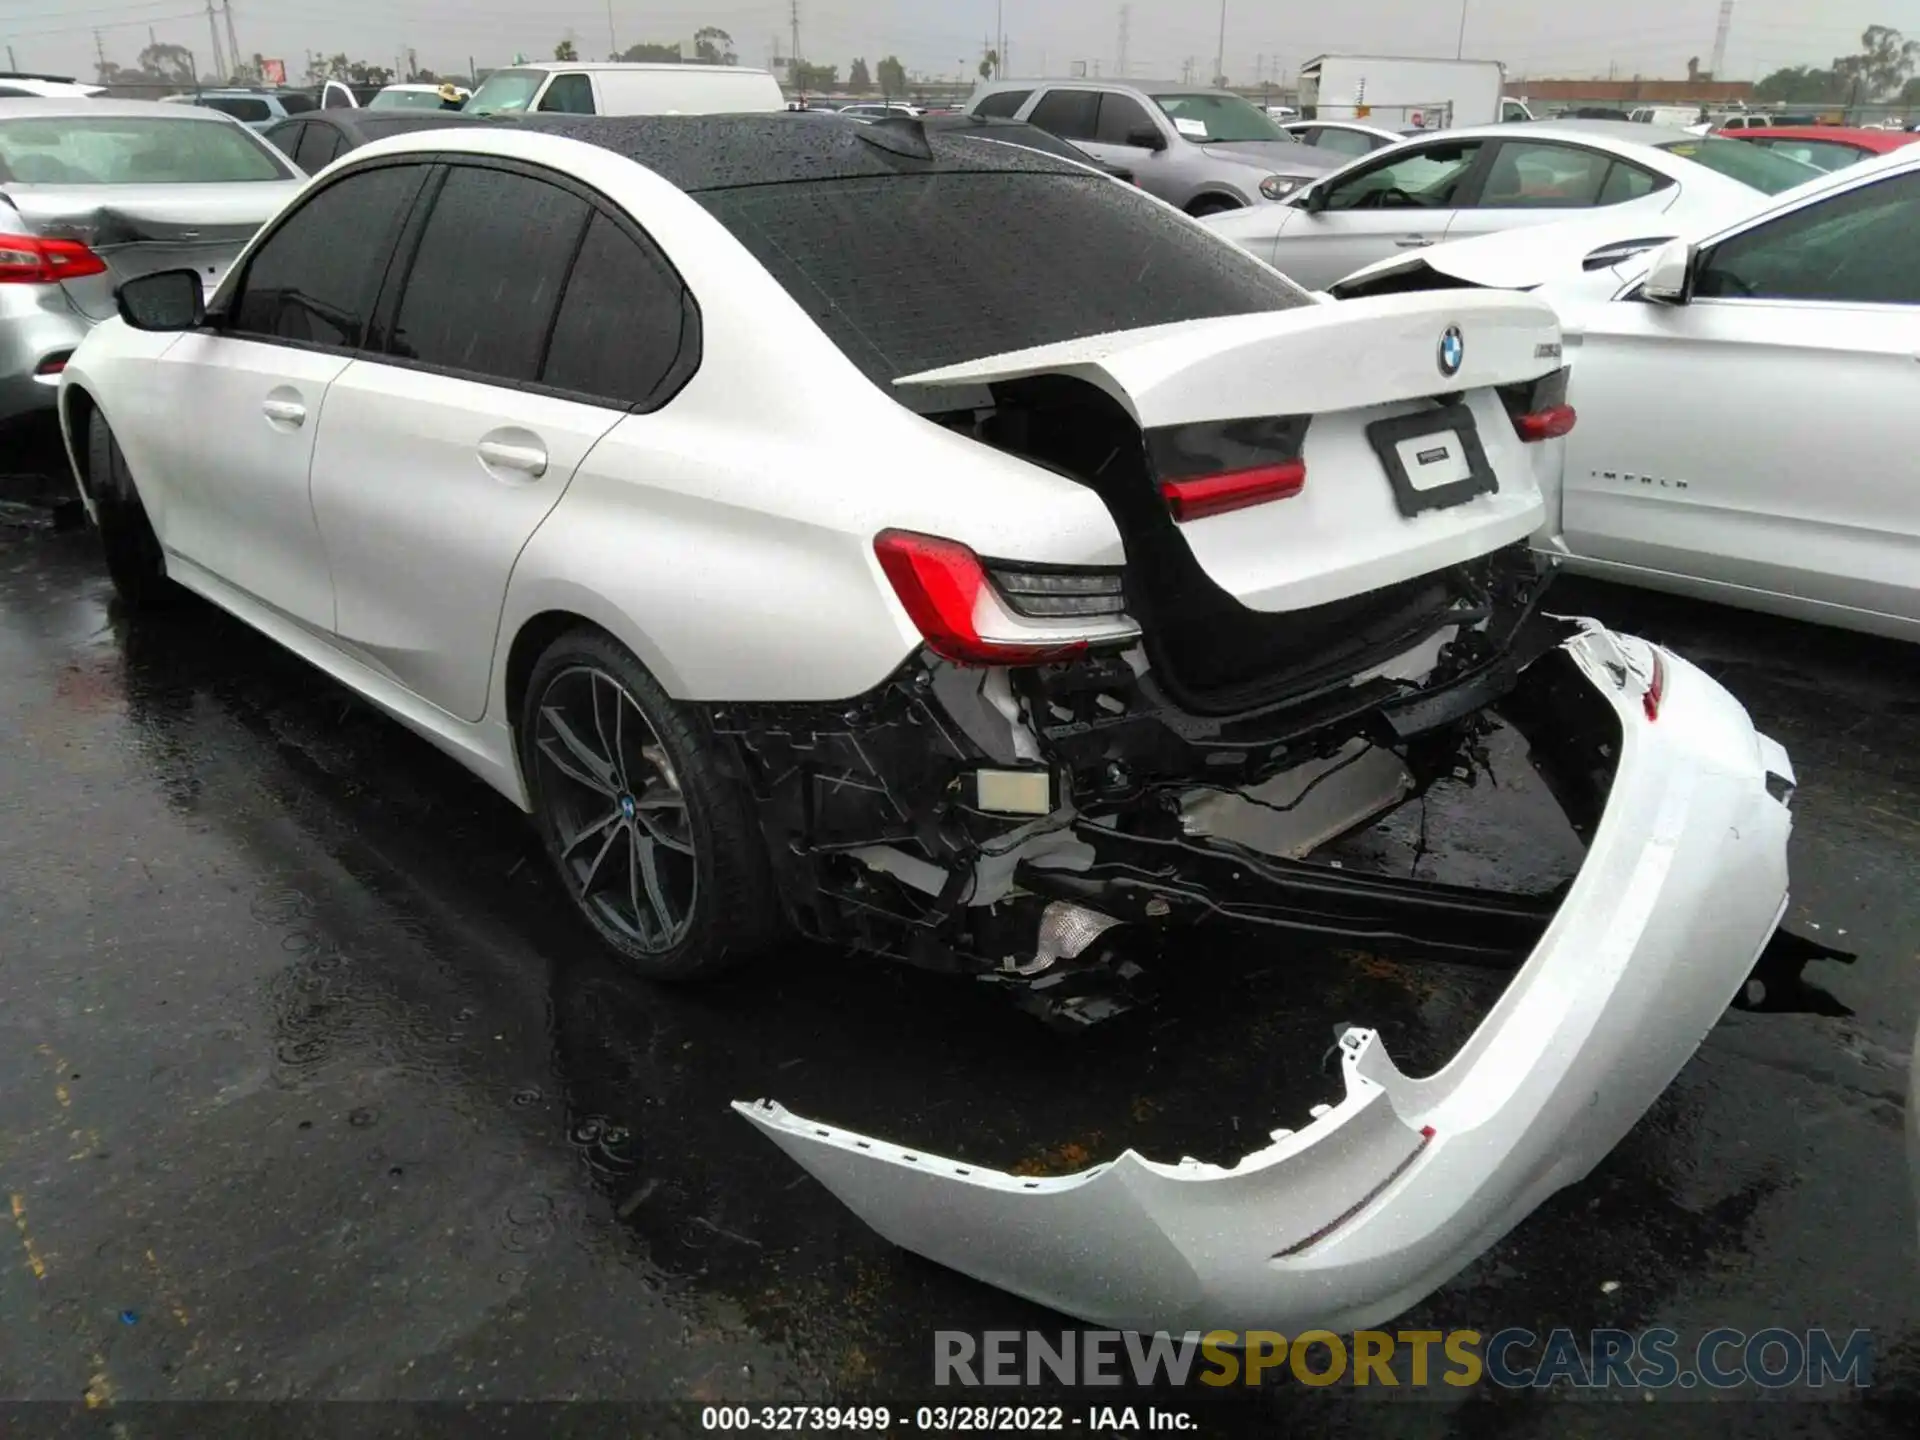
[613,41]
[1120,59]
[1220,50]
[1720,36]
[213,34]
[1000,39]
[1460,45]
[793,55]
[233,45]
[100,49]
[12,64]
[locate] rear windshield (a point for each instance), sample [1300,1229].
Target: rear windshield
[128,150]
[912,272]
[1765,171]
[505,91]
[407,100]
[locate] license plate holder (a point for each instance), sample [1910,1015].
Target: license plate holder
[1448,427]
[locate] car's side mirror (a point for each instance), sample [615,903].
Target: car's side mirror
[164,300]
[1670,277]
[1145,137]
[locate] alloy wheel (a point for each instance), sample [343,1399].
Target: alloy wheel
[618,817]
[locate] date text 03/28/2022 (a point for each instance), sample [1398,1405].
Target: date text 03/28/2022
[939,1419]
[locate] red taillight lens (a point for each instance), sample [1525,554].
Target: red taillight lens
[54,364]
[30,260]
[1206,495]
[942,584]
[1548,424]
[1656,688]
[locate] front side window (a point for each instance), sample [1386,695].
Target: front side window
[892,269]
[314,279]
[1122,118]
[481,292]
[1425,179]
[1070,114]
[133,150]
[1002,104]
[569,95]
[618,333]
[1856,248]
[1208,119]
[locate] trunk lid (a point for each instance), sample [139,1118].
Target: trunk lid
[1413,468]
[138,229]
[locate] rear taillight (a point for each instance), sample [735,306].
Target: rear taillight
[1538,408]
[1217,494]
[31,260]
[1004,614]
[54,364]
[1656,686]
[1218,466]
[1548,424]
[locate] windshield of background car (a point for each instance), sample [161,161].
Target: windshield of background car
[506,91]
[1212,119]
[128,150]
[894,269]
[1766,171]
[406,100]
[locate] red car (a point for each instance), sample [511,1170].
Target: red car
[1830,147]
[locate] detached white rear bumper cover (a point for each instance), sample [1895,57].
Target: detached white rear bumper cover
[1380,1200]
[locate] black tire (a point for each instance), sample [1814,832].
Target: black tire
[134,561]
[1211,205]
[611,804]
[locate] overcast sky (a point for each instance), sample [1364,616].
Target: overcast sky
[944,37]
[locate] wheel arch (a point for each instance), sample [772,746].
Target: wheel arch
[1214,200]
[529,638]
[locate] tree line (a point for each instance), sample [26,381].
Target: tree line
[1882,72]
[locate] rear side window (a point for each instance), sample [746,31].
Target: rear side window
[294,103]
[1002,104]
[1070,114]
[1629,182]
[488,272]
[892,268]
[618,334]
[569,95]
[240,107]
[314,279]
[318,147]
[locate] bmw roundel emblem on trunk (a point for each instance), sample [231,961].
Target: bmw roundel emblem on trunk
[1453,350]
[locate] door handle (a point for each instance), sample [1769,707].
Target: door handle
[1413,242]
[497,454]
[287,412]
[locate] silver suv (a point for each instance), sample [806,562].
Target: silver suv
[1201,149]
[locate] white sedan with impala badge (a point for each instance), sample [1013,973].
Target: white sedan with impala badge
[1746,390]
[799,564]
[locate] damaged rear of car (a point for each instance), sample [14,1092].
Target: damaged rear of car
[1320,603]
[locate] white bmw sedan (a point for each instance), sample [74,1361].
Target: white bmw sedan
[931,546]
[1475,181]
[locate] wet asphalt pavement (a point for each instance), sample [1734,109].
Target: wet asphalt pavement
[311,1086]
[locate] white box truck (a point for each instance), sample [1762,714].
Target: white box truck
[1399,92]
